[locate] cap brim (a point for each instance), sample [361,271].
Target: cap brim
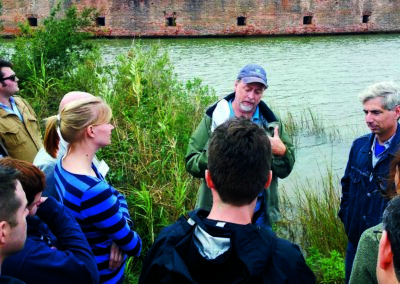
[249,80]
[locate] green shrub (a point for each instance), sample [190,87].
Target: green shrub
[329,270]
[154,115]
[50,59]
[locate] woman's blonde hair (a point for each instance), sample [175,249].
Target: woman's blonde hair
[74,118]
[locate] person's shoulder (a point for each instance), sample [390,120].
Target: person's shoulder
[34,247]
[363,138]
[175,230]
[43,160]
[19,100]
[9,280]
[287,248]
[370,233]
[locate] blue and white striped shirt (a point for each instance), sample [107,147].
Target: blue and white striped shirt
[102,213]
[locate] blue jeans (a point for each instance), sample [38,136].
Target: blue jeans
[350,255]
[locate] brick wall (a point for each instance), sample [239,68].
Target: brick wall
[222,17]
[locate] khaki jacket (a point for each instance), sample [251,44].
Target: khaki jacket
[21,139]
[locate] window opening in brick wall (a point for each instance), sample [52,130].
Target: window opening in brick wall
[171,21]
[32,21]
[101,21]
[307,20]
[241,21]
[365,19]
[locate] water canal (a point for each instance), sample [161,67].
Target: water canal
[323,74]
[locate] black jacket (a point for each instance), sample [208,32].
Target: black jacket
[199,250]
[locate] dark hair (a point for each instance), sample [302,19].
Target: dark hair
[393,189]
[31,177]
[239,160]
[4,63]
[9,203]
[391,224]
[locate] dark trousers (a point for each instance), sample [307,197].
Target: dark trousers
[350,255]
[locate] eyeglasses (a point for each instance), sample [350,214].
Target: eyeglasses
[12,78]
[378,235]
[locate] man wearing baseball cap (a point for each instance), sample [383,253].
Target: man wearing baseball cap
[245,101]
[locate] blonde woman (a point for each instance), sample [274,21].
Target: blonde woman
[100,210]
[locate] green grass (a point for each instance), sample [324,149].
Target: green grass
[309,218]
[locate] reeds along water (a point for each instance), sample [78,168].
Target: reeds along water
[309,218]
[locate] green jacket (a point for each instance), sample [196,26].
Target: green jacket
[22,140]
[364,265]
[196,157]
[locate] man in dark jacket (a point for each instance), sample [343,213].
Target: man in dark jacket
[366,175]
[222,246]
[69,259]
[246,101]
[13,212]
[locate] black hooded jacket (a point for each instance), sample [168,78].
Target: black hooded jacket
[199,250]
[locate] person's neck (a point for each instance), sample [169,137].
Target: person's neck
[383,139]
[5,100]
[241,215]
[78,158]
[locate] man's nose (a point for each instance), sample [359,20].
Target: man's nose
[251,94]
[368,117]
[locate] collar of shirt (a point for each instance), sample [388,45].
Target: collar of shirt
[13,109]
[256,115]
[386,144]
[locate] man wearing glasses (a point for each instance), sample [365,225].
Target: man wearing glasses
[246,101]
[19,132]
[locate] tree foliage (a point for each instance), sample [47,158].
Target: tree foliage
[59,42]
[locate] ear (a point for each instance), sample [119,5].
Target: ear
[209,181]
[3,232]
[89,131]
[385,254]
[267,184]
[397,111]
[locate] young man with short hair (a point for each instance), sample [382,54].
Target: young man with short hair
[13,212]
[388,266]
[222,246]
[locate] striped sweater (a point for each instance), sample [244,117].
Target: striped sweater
[102,213]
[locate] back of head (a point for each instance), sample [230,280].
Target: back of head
[393,189]
[31,177]
[73,96]
[9,203]
[74,118]
[388,91]
[4,63]
[239,161]
[391,224]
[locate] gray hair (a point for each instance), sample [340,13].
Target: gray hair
[387,90]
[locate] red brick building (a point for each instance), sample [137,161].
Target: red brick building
[164,18]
